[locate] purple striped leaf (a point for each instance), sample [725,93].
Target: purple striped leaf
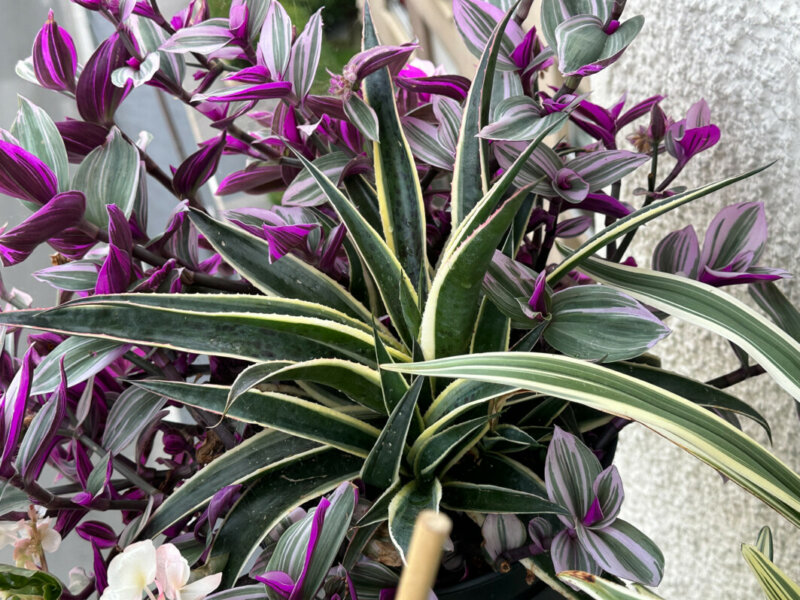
[624,551]
[37,133]
[115,273]
[255,179]
[584,45]
[570,186]
[361,114]
[36,445]
[205,38]
[423,139]
[543,164]
[568,554]
[98,533]
[501,533]
[605,167]
[74,276]
[80,138]
[609,495]
[254,74]
[598,323]
[570,471]
[736,237]
[262,91]
[450,86]
[679,253]
[719,278]
[284,238]
[54,57]
[554,12]
[304,190]
[692,135]
[448,113]
[13,407]
[570,228]
[476,20]
[63,211]
[604,204]
[24,176]
[305,56]
[373,59]
[510,285]
[275,45]
[97,96]
[198,168]
[513,117]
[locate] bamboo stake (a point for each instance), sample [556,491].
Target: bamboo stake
[424,553]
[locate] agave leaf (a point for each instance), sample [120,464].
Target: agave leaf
[382,466]
[279,411]
[399,193]
[434,447]
[712,309]
[635,220]
[264,452]
[701,433]
[449,317]
[482,498]
[288,277]
[460,396]
[773,581]
[412,499]
[773,302]
[271,498]
[602,589]
[470,171]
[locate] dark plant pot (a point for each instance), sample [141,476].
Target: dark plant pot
[499,586]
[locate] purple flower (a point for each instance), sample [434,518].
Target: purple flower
[198,168]
[96,95]
[24,176]
[692,135]
[64,210]
[594,539]
[54,57]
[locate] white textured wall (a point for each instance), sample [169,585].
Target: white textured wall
[743,57]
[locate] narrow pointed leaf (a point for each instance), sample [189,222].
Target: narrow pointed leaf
[773,581]
[483,498]
[602,589]
[363,117]
[132,411]
[412,499]
[37,133]
[433,447]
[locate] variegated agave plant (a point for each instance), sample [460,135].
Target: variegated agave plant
[400,321]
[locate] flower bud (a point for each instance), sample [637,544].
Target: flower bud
[54,57]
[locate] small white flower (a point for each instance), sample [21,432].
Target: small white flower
[172,575]
[78,580]
[9,533]
[49,538]
[131,572]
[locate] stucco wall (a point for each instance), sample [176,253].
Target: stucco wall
[743,57]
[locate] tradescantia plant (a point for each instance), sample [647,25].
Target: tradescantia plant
[274,393]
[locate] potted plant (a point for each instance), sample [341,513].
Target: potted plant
[268,397]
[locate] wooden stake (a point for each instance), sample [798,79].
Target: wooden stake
[424,554]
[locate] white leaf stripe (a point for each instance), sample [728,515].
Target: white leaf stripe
[36,132]
[625,551]
[703,434]
[362,116]
[305,55]
[423,139]
[775,583]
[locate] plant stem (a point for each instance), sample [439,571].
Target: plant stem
[651,184]
[549,236]
[737,376]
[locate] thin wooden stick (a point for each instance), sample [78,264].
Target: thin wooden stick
[424,554]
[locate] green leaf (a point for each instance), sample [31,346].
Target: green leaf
[598,323]
[393,385]
[693,428]
[581,41]
[387,272]
[13,499]
[304,191]
[764,542]
[695,391]
[773,302]
[245,327]
[17,583]
[492,330]
[470,171]
[79,276]
[38,134]
[271,498]
[279,411]
[96,482]
[288,277]
[108,175]
[132,411]
[361,384]
[412,499]
[264,452]
[602,589]
[712,309]
[382,466]
[460,396]
[399,193]
[362,117]
[448,320]
[435,447]
[637,219]
[483,498]
[774,582]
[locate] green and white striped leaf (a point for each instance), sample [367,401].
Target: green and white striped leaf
[265,328]
[712,309]
[289,277]
[205,37]
[382,466]
[362,117]
[150,38]
[436,446]
[423,138]
[448,319]
[264,452]
[483,498]
[517,119]
[399,193]
[304,190]
[695,391]
[581,41]
[412,499]
[476,25]
[773,581]
[764,542]
[279,411]
[131,413]
[75,276]
[554,12]
[392,281]
[275,494]
[38,134]
[305,56]
[598,323]
[108,175]
[470,171]
[693,428]
[602,589]
[462,395]
[620,548]
[637,219]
